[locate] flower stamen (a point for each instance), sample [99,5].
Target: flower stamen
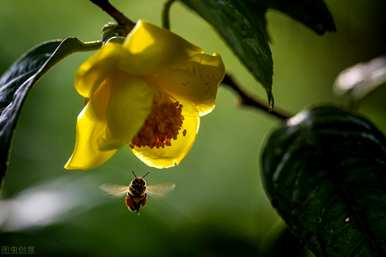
[161,126]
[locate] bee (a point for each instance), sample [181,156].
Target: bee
[137,191]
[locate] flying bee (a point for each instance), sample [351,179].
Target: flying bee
[137,191]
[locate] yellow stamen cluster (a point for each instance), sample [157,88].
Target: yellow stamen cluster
[161,126]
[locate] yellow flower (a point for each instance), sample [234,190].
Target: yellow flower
[147,93]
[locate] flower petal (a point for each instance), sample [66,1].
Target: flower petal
[173,64]
[195,79]
[130,104]
[152,48]
[93,71]
[172,155]
[90,129]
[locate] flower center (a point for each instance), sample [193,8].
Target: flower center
[161,126]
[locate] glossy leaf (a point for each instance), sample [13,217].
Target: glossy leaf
[312,13]
[325,173]
[243,30]
[19,79]
[242,24]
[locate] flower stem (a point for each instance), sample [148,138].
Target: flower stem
[119,17]
[166,14]
[250,101]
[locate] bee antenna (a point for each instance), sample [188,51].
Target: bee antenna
[135,175]
[146,174]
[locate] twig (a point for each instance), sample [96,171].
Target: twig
[119,17]
[166,14]
[250,101]
[91,45]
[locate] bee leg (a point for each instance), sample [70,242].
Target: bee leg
[143,201]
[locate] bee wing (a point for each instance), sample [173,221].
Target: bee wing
[115,190]
[160,189]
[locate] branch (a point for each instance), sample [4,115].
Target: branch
[250,101]
[166,14]
[119,17]
[91,45]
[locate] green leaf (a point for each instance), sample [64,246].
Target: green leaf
[312,13]
[243,30]
[325,173]
[242,24]
[19,79]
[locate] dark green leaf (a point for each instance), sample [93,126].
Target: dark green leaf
[244,31]
[242,24]
[312,13]
[19,79]
[325,173]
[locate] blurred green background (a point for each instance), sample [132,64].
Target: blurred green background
[219,207]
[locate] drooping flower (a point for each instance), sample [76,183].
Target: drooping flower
[147,93]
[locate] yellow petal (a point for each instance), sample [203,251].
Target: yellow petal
[173,64]
[90,129]
[153,48]
[172,155]
[130,104]
[195,79]
[93,71]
